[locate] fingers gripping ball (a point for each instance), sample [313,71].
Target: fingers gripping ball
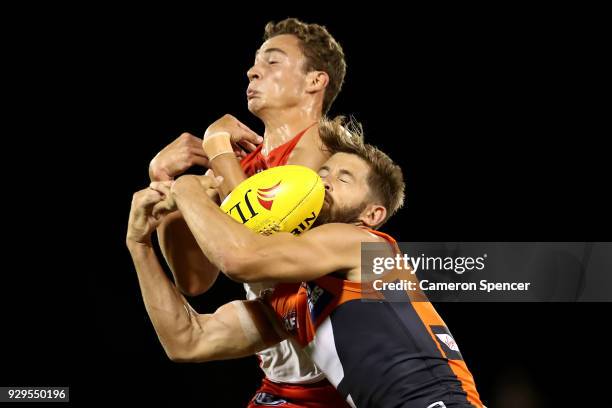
[285,198]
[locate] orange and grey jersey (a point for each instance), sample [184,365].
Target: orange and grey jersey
[376,353]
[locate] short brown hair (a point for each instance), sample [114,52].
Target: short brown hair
[385,179]
[322,52]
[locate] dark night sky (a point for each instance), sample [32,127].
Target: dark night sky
[491,120]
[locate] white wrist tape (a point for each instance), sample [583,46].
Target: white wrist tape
[217,144]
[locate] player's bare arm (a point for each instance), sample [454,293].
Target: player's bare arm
[192,272]
[229,131]
[220,141]
[246,256]
[235,330]
[284,257]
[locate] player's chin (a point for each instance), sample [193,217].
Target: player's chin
[254,105]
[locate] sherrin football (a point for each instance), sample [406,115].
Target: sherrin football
[285,198]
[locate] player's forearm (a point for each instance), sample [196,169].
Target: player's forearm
[229,241]
[166,307]
[192,271]
[227,166]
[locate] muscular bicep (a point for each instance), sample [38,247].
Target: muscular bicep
[237,329]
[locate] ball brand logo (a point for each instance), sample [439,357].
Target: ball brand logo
[286,212]
[265,196]
[305,224]
[239,208]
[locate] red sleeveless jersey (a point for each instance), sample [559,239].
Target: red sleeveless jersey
[255,161]
[284,395]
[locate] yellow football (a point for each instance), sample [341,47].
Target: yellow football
[285,198]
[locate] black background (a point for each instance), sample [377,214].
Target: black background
[491,115]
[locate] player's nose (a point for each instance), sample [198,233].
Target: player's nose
[253,73]
[327,185]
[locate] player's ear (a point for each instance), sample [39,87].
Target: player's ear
[316,81]
[373,215]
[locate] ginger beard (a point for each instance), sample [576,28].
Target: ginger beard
[331,212]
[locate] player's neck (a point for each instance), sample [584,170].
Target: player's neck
[282,126]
